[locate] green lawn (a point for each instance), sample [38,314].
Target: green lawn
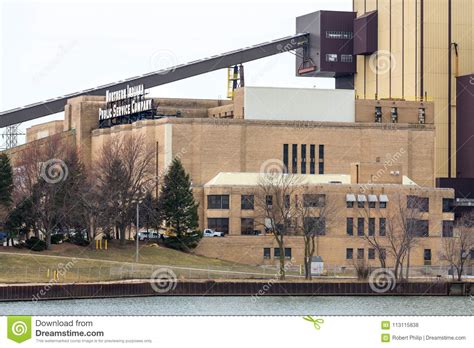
[77,264]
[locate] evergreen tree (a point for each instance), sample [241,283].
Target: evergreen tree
[6,180]
[178,207]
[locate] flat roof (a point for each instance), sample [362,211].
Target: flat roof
[253,179]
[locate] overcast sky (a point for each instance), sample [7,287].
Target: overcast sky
[51,48]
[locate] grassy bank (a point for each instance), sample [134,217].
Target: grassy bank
[75,263]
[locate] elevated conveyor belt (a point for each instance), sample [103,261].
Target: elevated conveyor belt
[160,77]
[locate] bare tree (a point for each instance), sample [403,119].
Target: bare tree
[42,177]
[313,213]
[456,249]
[404,227]
[123,172]
[273,207]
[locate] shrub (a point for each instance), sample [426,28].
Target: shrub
[35,244]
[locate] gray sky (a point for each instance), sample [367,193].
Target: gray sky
[51,48]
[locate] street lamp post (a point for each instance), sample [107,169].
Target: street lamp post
[138,224]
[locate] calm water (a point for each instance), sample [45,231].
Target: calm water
[334,305]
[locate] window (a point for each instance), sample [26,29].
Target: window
[371,253]
[448,228]
[361,199]
[321,168]
[418,228]
[246,202]
[276,252]
[350,199]
[312,154]
[288,253]
[314,200]
[424,204]
[218,202]
[247,226]
[372,201]
[287,201]
[360,226]
[360,254]
[294,159]
[349,253]
[420,203]
[382,205]
[303,159]
[427,256]
[285,157]
[448,205]
[371,226]
[382,226]
[346,58]
[321,153]
[383,254]
[269,201]
[218,224]
[338,34]
[315,226]
[266,253]
[331,58]
[350,226]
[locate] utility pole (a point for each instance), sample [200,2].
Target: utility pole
[138,223]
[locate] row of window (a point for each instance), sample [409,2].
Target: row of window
[276,253]
[303,161]
[371,254]
[331,34]
[247,202]
[361,253]
[361,226]
[371,205]
[333,58]
[317,226]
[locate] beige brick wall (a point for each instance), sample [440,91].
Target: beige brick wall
[44,130]
[332,247]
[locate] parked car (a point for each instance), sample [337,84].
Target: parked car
[211,233]
[148,235]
